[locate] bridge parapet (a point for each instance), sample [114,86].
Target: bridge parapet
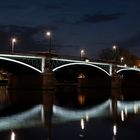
[59,62]
[41,63]
[123,67]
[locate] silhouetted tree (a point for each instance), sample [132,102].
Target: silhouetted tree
[109,55]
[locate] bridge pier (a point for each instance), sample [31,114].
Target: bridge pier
[48,80]
[116,79]
[44,81]
[48,91]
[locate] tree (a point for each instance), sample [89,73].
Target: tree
[109,55]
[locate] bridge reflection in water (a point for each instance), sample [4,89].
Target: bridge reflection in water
[80,112]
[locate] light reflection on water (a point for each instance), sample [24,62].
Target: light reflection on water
[66,114]
[13,135]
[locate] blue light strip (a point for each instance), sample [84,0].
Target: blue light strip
[28,118]
[130,105]
[97,111]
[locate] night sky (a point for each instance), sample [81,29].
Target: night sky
[76,24]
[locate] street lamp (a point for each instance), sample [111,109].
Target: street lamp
[49,37]
[114,48]
[82,53]
[116,52]
[122,59]
[13,41]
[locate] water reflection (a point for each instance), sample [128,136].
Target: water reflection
[13,135]
[81,114]
[80,98]
[82,124]
[28,118]
[114,129]
[4,96]
[65,114]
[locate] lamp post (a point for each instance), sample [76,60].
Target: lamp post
[122,59]
[115,50]
[49,37]
[82,53]
[13,41]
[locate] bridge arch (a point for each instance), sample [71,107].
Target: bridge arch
[88,75]
[128,69]
[131,77]
[86,64]
[21,65]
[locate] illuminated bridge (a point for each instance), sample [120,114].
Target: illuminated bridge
[38,64]
[62,67]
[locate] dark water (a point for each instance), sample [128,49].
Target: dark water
[68,113]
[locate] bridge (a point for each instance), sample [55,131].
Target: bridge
[20,64]
[38,63]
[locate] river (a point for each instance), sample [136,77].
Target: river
[68,112]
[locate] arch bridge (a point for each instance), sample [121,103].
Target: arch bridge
[35,69]
[24,63]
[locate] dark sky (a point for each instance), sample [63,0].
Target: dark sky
[88,24]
